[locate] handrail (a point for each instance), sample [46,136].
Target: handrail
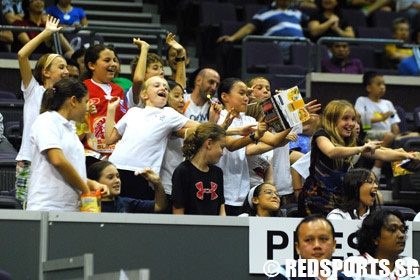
[160,33]
[323,40]
[270,38]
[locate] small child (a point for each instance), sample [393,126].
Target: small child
[197,184]
[378,112]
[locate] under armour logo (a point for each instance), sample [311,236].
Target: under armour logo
[202,190]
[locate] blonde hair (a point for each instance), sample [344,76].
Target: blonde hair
[146,85]
[330,117]
[43,63]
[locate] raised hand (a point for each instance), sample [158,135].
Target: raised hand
[52,24]
[170,40]
[140,44]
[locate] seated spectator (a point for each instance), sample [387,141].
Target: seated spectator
[12,10]
[67,14]
[360,189]
[329,22]
[33,17]
[400,31]
[262,201]
[378,113]
[5,145]
[382,236]
[278,20]
[340,61]
[410,66]
[6,36]
[106,173]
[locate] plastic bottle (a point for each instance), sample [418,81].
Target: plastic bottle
[366,121]
[91,202]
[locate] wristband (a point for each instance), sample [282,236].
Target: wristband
[253,138]
[178,59]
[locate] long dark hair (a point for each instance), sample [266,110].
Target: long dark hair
[54,98]
[352,182]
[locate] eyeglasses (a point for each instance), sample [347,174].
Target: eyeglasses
[393,229]
[272,193]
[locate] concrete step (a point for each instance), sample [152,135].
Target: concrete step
[128,38]
[115,6]
[105,23]
[122,17]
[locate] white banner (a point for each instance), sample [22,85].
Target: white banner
[273,239]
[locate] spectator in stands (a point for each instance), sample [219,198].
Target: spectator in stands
[410,66]
[67,14]
[340,61]
[106,173]
[49,69]
[79,57]
[328,22]
[400,31]
[233,93]
[173,58]
[281,155]
[6,37]
[381,113]
[147,65]
[279,20]
[197,183]
[73,69]
[360,189]
[59,172]
[262,200]
[12,10]
[334,150]
[150,144]
[5,145]
[315,239]
[33,17]
[383,236]
[200,105]
[101,65]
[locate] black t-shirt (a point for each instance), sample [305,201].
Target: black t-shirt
[198,192]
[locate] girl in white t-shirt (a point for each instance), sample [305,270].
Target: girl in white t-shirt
[49,69]
[233,93]
[58,174]
[144,134]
